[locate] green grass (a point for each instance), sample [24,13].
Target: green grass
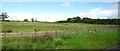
[30,43]
[98,40]
[30,26]
[81,41]
[92,41]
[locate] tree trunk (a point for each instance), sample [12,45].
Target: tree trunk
[3,19]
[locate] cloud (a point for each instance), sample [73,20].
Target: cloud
[66,5]
[98,13]
[22,16]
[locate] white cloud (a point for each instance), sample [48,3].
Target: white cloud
[22,16]
[66,5]
[98,13]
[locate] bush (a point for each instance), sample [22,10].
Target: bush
[66,37]
[7,31]
[7,20]
[26,20]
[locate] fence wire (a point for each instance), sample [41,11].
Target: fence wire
[58,33]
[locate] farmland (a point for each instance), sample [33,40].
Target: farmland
[98,40]
[30,26]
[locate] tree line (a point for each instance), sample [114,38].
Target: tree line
[91,21]
[77,19]
[4,15]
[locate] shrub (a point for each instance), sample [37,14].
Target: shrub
[66,37]
[7,31]
[26,20]
[7,20]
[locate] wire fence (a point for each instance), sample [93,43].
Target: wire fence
[58,33]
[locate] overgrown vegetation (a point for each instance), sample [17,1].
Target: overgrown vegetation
[81,41]
[30,42]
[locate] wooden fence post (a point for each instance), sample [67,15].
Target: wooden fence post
[64,32]
[22,34]
[88,31]
[56,33]
[77,31]
[71,32]
[82,31]
[5,34]
[103,30]
[35,33]
[107,30]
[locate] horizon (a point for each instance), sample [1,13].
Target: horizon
[56,11]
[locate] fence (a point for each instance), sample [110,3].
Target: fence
[57,33]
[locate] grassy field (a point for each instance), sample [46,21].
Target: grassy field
[98,40]
[81,41]
[30,26]
[92,41]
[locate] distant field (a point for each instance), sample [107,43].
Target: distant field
[30,26]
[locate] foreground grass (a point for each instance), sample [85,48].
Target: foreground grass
[29,43]
[92,41]
[82,41]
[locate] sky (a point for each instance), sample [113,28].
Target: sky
[55,11]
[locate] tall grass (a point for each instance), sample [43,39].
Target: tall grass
[30,26]
[81,41]
[30,43]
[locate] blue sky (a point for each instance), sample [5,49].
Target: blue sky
[54,11]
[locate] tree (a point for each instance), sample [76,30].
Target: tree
[74,19]
[3,16]
[26,20]
[86,20]
[69,19]
[92,21]
[35,20]
[32,20]
[77,19]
